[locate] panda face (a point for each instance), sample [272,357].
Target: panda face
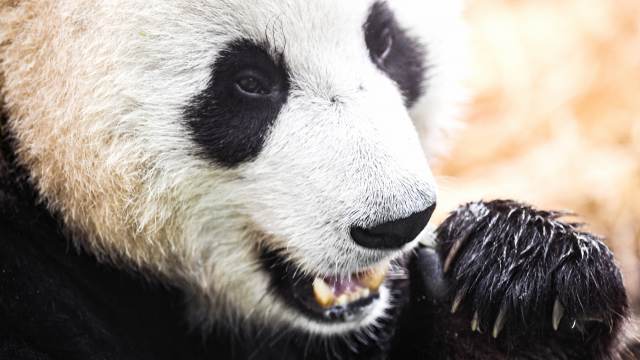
[315,123]
[263,156]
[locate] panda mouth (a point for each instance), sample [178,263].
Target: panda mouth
[333,299]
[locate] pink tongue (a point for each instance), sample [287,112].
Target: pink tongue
[342,285]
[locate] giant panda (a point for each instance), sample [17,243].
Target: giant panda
[225,179]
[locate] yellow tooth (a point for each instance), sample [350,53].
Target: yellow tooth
[366,292]
[374,277]
[342,300]
[361,293]
[353,296]
[323,293]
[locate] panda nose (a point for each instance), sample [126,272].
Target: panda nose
[393,234]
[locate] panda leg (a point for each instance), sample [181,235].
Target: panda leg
[508,281]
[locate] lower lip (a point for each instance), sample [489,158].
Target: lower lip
[350,312]
[353,311]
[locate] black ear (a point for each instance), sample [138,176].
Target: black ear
[395,52]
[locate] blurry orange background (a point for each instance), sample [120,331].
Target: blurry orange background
[554,119]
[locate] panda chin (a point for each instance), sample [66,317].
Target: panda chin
[329,300]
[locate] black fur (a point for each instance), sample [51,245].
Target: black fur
[229,124]
[513,257]
[58,303]
[404,60]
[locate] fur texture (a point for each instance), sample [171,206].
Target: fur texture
[533,283]
[114,140]
[96,94]
[68,305]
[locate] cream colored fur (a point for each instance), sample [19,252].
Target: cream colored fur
[95,92]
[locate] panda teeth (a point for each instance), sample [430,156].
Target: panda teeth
[373,278]
[326,297]
[323,293]
[332,292]
[342,300]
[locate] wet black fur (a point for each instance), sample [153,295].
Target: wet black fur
[59,303]
[514,257]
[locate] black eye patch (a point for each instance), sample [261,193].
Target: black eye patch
[393,51]
[231,118]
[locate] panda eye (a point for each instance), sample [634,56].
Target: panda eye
[252,83]
[381,47]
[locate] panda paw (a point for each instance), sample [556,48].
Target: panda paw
[519,274]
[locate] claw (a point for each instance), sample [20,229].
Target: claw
[452,254]
[475,323]
[558,313]
[499,324]
[428,238]
[579,323]
[580,326]
[457,301]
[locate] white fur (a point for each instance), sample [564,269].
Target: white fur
[100,125]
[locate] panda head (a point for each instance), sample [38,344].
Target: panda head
[264,157]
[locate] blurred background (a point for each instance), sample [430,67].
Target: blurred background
[554,119]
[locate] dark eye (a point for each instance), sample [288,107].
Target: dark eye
[253,84]
[381,47]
